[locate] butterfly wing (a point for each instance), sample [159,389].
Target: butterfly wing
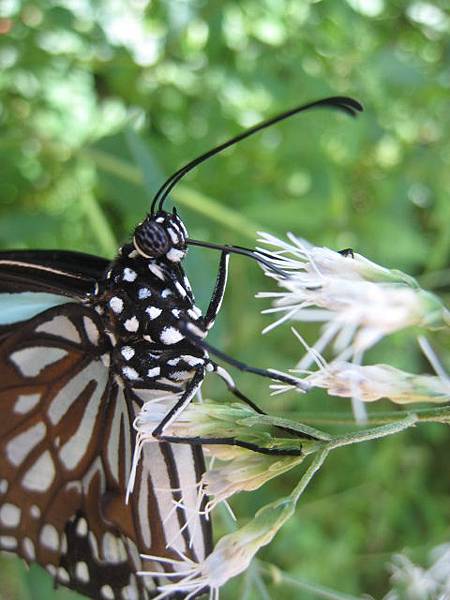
[66,442]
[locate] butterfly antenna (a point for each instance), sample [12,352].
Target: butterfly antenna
[342,103]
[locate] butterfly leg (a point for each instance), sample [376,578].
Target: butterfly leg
[219,291]
[229,441]
[193,333]
[188,394]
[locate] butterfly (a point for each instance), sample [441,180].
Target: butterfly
[84,342]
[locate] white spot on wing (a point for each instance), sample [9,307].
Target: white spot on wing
[8,542]
[62,327]
[144,293]
[75,448]
[143,507]
[31,361]
[10,515]
[82,571]
[20,446]
[26,402]
[49,537]
[28,548]
[64,399]
[3,486]
[107,592]
[92,331]
[82,527]
[35,511]
[113,442]
[41,475]
[63,575]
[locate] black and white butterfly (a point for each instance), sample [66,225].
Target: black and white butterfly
[84,342]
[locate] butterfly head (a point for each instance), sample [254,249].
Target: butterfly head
[161,235]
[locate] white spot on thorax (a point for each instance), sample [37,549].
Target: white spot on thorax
[156,271]
[129,274]
[176,312]
[175,255]
[170,335]
[181,375]
[180,289]
[153,312]
[192,361]
[154,372]
[173,235]
[144,293]
[130,373]
[132,324]
[166,293]
[26,402]
[127,352]
[116,304]
[195,313]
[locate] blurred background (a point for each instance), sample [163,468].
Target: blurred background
[100,100]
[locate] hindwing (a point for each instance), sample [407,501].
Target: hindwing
[66,445]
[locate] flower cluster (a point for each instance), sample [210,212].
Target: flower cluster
[358,302]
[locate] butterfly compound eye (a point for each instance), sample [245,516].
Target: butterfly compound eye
[151,240]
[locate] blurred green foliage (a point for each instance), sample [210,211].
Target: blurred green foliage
[100,99]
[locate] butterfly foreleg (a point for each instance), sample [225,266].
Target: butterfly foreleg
[189,392]
[219,291]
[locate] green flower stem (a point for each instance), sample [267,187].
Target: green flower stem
[278,577]
[372,433]
[288,424]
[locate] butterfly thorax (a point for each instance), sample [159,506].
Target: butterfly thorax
[144,303]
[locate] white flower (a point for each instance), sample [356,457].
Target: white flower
[373,382]
[359,301]
[231,556]
[417,583]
